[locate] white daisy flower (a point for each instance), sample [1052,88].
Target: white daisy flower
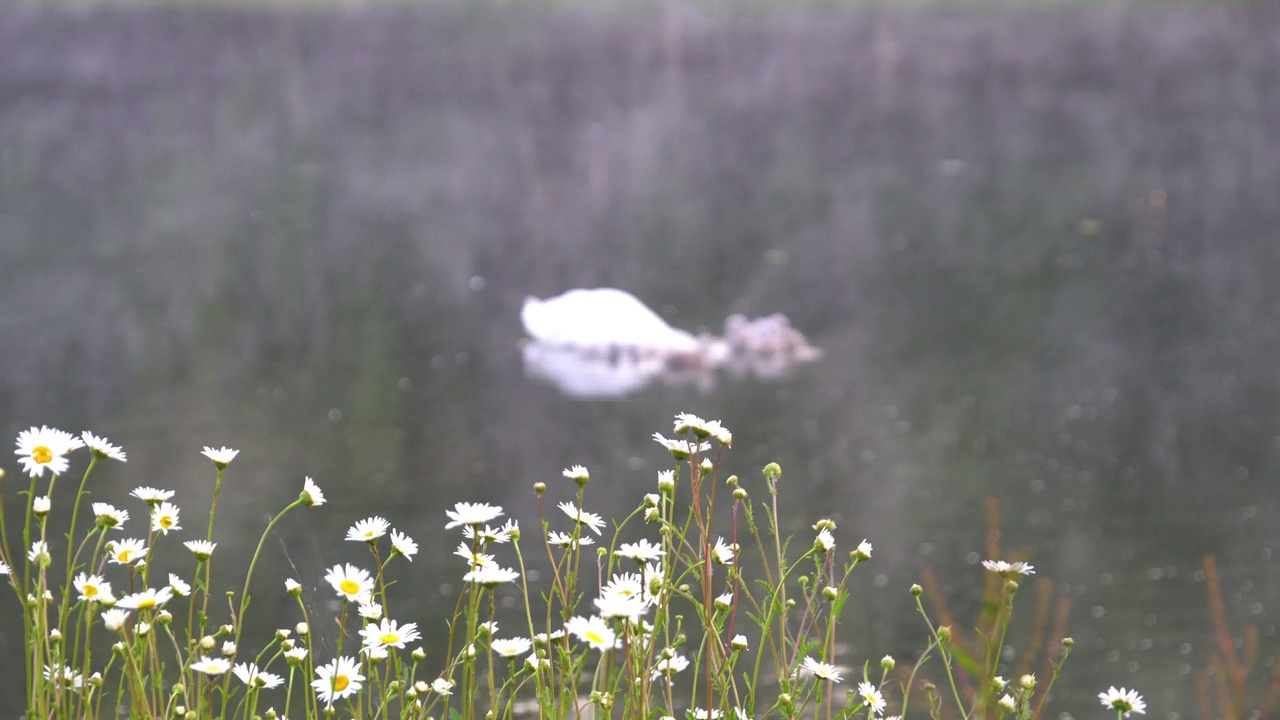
[1009,568]
[311,494]
[293,587]
[701,714]
[93,588]
[295,655]
[41,506]
[202,549]
[148,599]
[594,631]
[618,606]
[826,671]
[719,432]
[442,686]
[511,647]
[487,535]
[871,697]
[350,581]
[578,474]
[370,609]
[388,634]
[339,679]
[565,540]
[369,529]
[375,653]
[491,575]
[403,544]
[1007,703]
[626,585]
[211,666]
[101,448]
[723,552]
[464,513]
[45,447]
[825,542]
[114,619]
[63,676]
[474,558]
[642,551]
[1124,701]
[164,517]
[151,495]
[4,569]
[864,550]
[108,516]
[681,449]
[250,675]
[689,423]
[39,553]
[582,517]
[670,666]
[180,587]
[221,458]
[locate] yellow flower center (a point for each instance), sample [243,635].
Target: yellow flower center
[349,587]
[594,637]
[388,638]
[125,556]
[90,591]
[42,454]
[340,683]
[166,521]
[146,604]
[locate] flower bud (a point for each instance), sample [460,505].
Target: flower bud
[1028,682]
[739,494]
[207,643]
[301,628]
[163,618]
[887,663]
[419,654]
[944,633]
[830,593]
[539,487]
[916,590]
[772,472]
[1067,642]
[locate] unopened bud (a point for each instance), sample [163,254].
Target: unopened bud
[539,487]
[916,590]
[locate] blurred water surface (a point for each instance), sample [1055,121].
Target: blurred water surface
[1038,248]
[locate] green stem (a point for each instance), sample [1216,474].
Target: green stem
[244,594]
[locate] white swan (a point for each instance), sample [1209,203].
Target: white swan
[603,320]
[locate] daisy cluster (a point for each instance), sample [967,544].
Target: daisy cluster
[629,622]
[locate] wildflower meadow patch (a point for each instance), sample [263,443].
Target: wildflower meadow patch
[715,613]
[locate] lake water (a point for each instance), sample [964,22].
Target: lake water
[1037,247]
